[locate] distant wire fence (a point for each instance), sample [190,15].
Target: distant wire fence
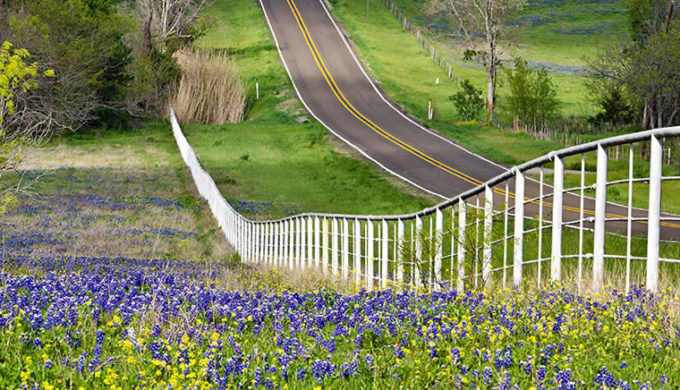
[549,219]
[424,42]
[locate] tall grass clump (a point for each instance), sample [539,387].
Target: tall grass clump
[211,90]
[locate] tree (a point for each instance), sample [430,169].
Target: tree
[655,78]
[644,69]
[165,27]
[16,77]
[170,24]
[84,42]
[483,18]
[431,8]
[468,101]
[533,97]
[616,108]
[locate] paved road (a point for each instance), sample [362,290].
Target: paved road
[338,93]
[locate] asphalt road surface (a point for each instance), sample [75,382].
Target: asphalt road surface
[338,93]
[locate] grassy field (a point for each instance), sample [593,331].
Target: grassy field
[559,35]
[115,276]
[109,195]
[279,162]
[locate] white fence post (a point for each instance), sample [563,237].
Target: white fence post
[488,227]
[345,249]
[357,252]
[253,242]
[273,240]
[256,248]
[286,244]
[558,195]
[246,249]
[268,243]
[419,251]
[310,241]
[654,216]
[369,255]
[241,239]
[324,246]
[317,242]
[291,244]
[237,243]
[334,248]
[398,256]
[462,226]
[600,215]
[384,238]
[438,236]
[303,243]
[271,243]
[265,244]
[277,243]
[518,259]
[258,243]
[298,247]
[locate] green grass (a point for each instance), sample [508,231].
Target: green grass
[278,154]
[553,33]
[567,33]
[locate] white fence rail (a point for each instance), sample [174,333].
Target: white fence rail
[554,209]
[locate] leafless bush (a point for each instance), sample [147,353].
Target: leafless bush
[169,21]
[210,90]
[56,105]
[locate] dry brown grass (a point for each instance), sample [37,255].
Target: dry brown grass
[105,156]
[210,90]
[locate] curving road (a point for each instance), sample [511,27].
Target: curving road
[337,91]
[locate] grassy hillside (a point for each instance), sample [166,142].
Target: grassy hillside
[278,161]
[560,35]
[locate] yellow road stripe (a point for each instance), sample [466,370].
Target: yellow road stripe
[362,118]
[357,114]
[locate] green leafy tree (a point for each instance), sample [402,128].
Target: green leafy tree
[645,67]
[468,101]
[533,96]
[84,41]
[616,108]
[16,76]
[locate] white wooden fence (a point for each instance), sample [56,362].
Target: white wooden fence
[503,231]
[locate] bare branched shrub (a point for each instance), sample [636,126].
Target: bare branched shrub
[210,90]
[169,22]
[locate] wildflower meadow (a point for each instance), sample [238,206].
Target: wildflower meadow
[145,303]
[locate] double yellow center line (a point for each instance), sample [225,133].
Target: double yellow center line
[361,117]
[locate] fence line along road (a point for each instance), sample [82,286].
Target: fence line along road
[485,235]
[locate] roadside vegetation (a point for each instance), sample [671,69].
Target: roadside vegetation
[570,42]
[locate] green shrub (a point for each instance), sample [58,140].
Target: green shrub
[468,101]
[533,97]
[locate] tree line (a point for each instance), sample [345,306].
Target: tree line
[111,60]
[71,64]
